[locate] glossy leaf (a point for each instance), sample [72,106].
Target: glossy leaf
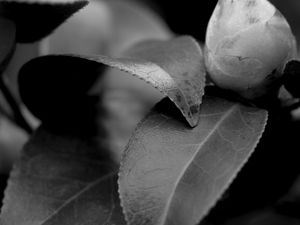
[61,180]
[36,19]
[174,67]
[172,174]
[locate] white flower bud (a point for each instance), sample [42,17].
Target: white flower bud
[247,45]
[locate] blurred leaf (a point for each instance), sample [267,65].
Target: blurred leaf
[172,174]
[86,32]
[22,54]
[7,46]
[36,19]
[106,27]
[61,180]
[124,110]
[133,22]
[7,42]
[12,140]
[174,67]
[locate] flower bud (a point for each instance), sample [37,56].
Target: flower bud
[248,43]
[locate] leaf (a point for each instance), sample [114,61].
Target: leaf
[36,19]
[134,22]
[61,180]
[12,140]
[174,67]
[172,174]
[53,88]
[22,54]
[7,42]
[125,108]
[7,46]
[106,27]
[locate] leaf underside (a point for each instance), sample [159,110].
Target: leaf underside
[61,180]
[35,19]
[174,67]
[172,174]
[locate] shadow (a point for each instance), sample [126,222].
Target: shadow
[267,176]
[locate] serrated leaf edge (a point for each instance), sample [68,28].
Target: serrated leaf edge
[228,183]
[238,171]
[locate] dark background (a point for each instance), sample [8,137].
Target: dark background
[186,17]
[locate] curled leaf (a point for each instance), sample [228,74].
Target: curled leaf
[36,19]
[172,174]
[174,67]
[55,88]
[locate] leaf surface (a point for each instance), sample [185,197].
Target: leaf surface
[61,180]
[174,67]
[172,174]
[36,19]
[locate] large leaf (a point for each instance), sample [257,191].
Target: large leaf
[36,19]
[172,174]
[174,67]
[61,180]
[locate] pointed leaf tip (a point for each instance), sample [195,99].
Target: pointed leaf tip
[174,175]
[174,67]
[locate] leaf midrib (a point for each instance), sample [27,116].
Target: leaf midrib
[75,196]
[169,201]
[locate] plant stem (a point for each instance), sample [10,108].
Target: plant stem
[19,118]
